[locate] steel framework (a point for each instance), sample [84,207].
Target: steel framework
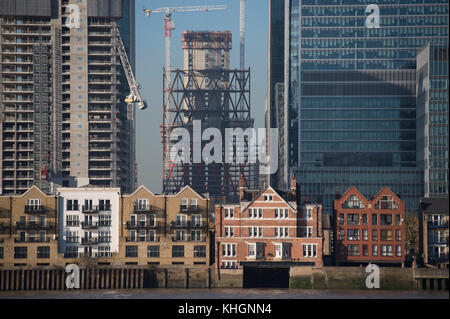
[224,95]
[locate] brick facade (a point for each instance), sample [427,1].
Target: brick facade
[369,230]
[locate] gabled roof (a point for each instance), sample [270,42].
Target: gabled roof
[385,190]
[30,189]
[261,193]
[351,191]
[137,190]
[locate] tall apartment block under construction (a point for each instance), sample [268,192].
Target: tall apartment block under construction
[63,117]
[209,91]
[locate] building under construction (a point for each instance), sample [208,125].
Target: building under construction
[209,91]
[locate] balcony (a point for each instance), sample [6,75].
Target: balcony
[437,224]
[34,225]
[89,241]
[189,225]
[31,240]
[70,255]
[189,239]
[34,209]
[151,239]
[90,209]
[143,225]
[142,209]
[438,241]
[89,225]
[189,209]
[104,239]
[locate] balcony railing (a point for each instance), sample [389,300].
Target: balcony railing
[141,240]
[70,255]
[34,209]
[89,241]
[143,225]
[90,209]
[189,209]
[436,224]
[32,240]
[189,225]
[189,239]
[142,208]
[89,225]
[34,225]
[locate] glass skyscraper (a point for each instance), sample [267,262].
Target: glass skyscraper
[349,93]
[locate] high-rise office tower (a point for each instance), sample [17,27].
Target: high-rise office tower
[62,89]
[432,118]
[349,94]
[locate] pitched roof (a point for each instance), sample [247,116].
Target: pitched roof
[434,205]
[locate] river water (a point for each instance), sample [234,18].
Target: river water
[225,294]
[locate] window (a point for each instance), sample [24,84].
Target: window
[104,251]
[152,235]
[180,235]
[133,235]
[281,213]
[374,250]
[281,232]
[2,252]
[184,204]
[255,213]
[353,202]
[72,204]
[72,220]
[365,250]
[229,213]
[199,251]
[196,235]
[142,204]
[309,214]
[133,220]
[341,234]
[251,250]
[353,250]
[177,251]
[385,219]
[277,250]
[364,219]
[181,220]
[365,234]
[386,250]
[20,252]
[268,198]
[104,204]
[142,235]
[142,220]
[398,235]
[352,219]
[43,252]
[341,219]
[398,250]
[309,250]
[374,219]
[72,237]
[386,202]
[374,234]
[229,231]
[255,232]
[229,250]
[341,250]
[386,234]
[309,231]
[353,234]
[398,220]
[193,203]
[196,220]
[34,203]
[153,251]
[131,251]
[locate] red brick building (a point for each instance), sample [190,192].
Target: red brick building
[268,227]
[369,230]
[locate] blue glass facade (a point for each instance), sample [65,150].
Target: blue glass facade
[352,94]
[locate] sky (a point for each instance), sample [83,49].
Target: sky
[150,60]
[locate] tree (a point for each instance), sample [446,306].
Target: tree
[412,237]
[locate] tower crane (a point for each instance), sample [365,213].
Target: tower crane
[169,25]
[135,95]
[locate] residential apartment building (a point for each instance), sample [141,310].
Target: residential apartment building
[268,228]
[432,118]
[344,95]
[88,222]
[433,230]
[28,229]
[369,230]
[165,229]
[63,119]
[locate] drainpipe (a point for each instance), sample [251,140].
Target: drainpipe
[165,215]
[10,217]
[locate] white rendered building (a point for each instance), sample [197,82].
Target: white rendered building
[88,221]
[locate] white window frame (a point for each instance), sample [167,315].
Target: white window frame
[196,219]
[182,218]
[184,204]
[193,202]
[142,203]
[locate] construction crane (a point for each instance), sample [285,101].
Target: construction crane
[169,25]
[242,31]
[135,95]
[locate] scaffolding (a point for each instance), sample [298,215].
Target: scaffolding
[217,97]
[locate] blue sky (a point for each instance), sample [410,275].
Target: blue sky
[150,59]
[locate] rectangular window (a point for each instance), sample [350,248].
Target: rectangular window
[374,219]
[365,234]
[309,231]
[184,204]
[180,235]
[193,203]
[131,251]
[386,219]
[398,235]
[196,235]
[181,220]
[399,250]
[309,250]
[374,234]
[374,250]
[386,250]
[353,250]
[43,252]
[398,220]
[365,250]
[341,219]
[353,234]
[20,252]
[229,250]
[72,204]
[353,219]
[386,234]
[2,252]
[177,251]
[229,231]
[153,251]
[251,250]
[309,214]
[196,220]
[199,251]
[341,234]
[229,213]
[364,219]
